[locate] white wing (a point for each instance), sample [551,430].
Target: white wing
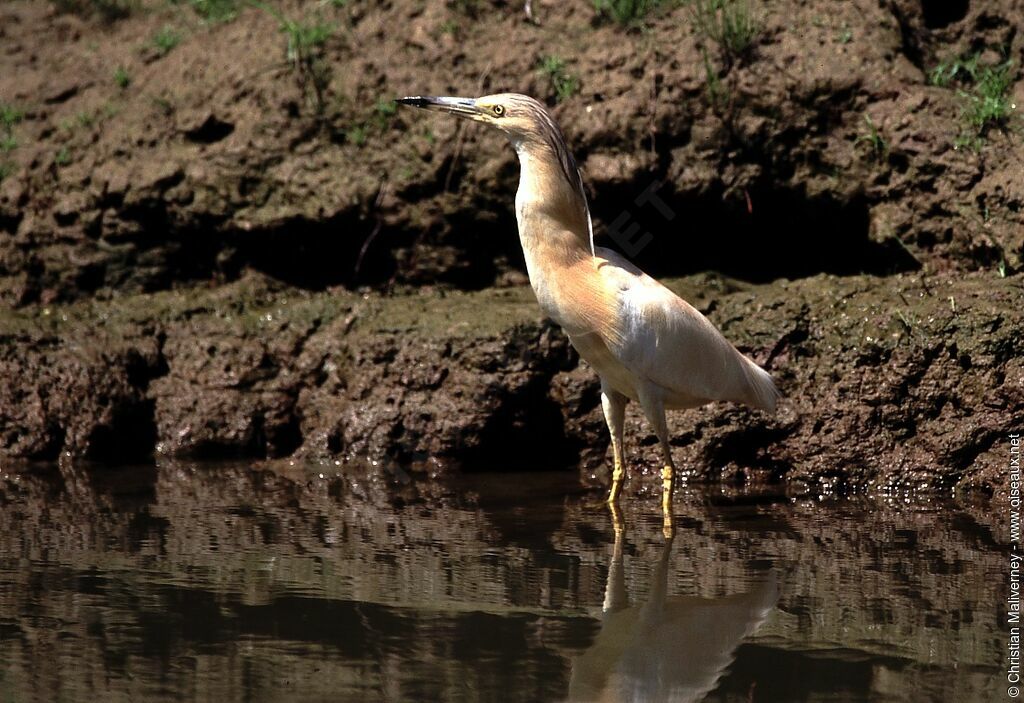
[660,337]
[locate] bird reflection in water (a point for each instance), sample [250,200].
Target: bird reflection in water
[671,648]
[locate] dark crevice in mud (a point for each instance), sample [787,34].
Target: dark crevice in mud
[964,456]
[130,436]
[56,435]
[281,440]
[210,131]
[191,256]
[747,446]
[527,433]
[213,450]
[912,44]
[10,222]
[167,254]
[942,13]
[930,27]
[484,245]
[316,255]
[468,251]
[90,277]
[760,235]
[312,255]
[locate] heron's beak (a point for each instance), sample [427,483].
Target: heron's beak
[464,107]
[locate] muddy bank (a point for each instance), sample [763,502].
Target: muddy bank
[197,259]
[163,148]
[907,381]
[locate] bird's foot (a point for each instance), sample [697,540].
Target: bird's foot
[612,501]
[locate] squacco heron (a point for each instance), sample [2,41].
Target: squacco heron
[646,343]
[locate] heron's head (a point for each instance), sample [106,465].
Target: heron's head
[520,117]
[523,120]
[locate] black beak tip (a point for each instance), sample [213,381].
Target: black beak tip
[415,101]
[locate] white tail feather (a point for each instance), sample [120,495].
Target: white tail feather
[761,390]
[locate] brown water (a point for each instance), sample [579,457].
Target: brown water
[233,583]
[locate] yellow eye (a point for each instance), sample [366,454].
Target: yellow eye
[498,110]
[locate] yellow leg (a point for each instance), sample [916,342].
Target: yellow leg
[614,405]
[655,411]
[667,493]
[617,524]
[617,472]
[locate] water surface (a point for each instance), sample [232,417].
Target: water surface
[238,583]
